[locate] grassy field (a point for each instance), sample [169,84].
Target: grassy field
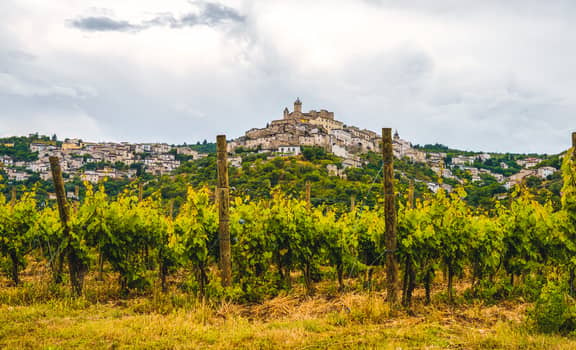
[38,315]
[354,321]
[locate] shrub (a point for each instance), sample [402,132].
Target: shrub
[554,310]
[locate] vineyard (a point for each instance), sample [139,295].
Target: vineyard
[523,250]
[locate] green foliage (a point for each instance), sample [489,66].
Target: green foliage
[340,240]
[204,147]
[494,165]
[50,237]
[196,229]
[315,153]
[554,310]
[125,232]
[17,220]
[554,161]
[437,147]
[524,234]
[278,240]
[252,250]
[486,248]
[18,147]
[449,217]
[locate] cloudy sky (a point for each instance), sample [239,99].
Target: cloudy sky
[479,75]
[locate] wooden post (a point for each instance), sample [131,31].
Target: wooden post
[389,216]
[76,203]
[214,196]
[76,266]
[13,196]
[572,271]
[63,208]
[223,194]
[140,191]
[308,194]
[411,194]
[352,203]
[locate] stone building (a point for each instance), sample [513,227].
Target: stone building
[312,128]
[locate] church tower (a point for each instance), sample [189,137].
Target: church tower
[298,105]
[286,113]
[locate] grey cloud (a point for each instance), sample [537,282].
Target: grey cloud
[431,91]
[17,55]
[489,11]
[395,74]
[456,6]
[103,24]
[23,115]
[215,13]
[210,14]
[11,84]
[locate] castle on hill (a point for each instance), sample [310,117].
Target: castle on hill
[321,118]
[313,128]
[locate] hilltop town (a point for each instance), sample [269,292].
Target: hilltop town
[315,128]
[286,136]
[93,162]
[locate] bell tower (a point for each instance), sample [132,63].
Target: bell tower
[298,105]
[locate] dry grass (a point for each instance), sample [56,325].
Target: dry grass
[40,316]
[350,320]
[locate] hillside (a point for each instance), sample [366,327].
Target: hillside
[255,173]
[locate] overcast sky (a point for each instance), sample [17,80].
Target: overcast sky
[487,75]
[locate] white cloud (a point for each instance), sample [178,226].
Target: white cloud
[68,124]
[189,111]
[486,75]
[13,85]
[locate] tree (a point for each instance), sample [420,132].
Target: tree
[417,252]
[50,235]
[17,220]
[526,225]
[339,240]
[252,250]
[196,228]
[568,219]
[449,219]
